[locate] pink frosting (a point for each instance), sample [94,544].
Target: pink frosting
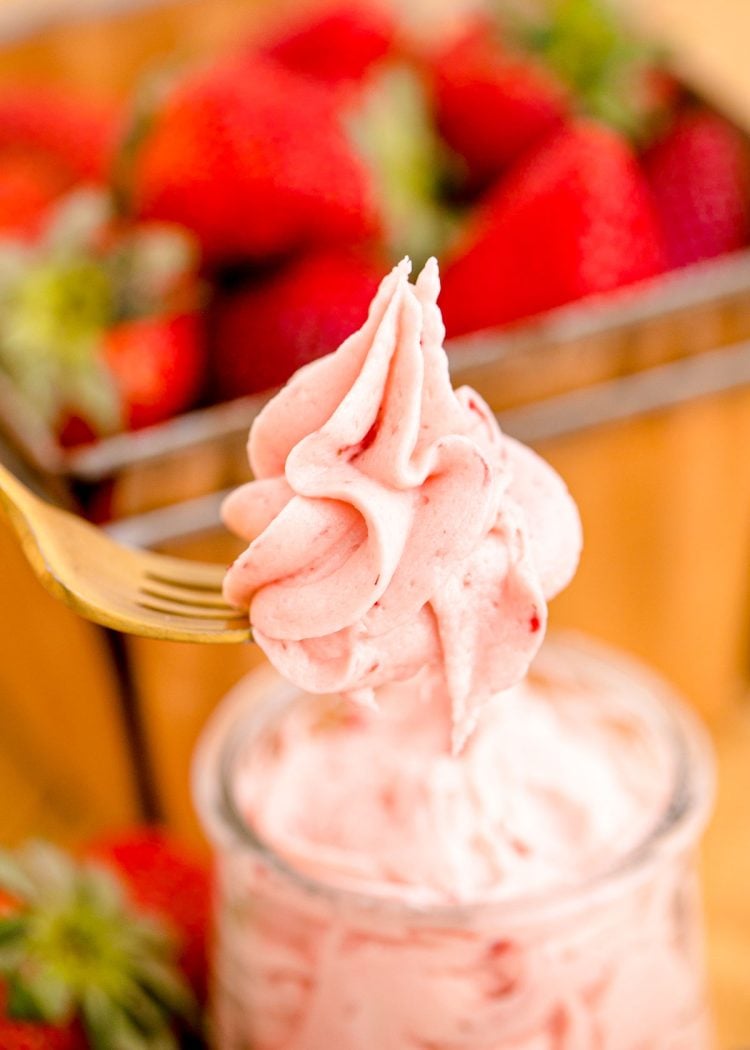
[550,787]
[565,777]
[391,523]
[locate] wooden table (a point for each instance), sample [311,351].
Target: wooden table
[727,883]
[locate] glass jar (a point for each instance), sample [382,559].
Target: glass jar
[614,962]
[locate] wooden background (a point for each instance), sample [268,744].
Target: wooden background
[665,502]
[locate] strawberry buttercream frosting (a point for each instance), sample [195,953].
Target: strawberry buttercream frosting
[552,785]
[392,525]
[536,891]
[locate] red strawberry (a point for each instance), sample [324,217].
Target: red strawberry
[74,133]
[699,173]
[611,73]
[164,879]
[33,1035]
[100,328]
[339,44]
[73,430]
[574,218]
[497,95]
[253,159]
[157,364]
[493,103]
[48,142]
[266,331]
[30,1035]
[79,966]
[27,189]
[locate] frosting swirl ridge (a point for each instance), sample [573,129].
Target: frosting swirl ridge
[391,523]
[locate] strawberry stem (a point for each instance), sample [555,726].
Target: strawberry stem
[605,66]
[76,949]
[406,159]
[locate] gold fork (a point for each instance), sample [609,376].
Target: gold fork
[138,592]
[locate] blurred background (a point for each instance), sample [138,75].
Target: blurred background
[197,197]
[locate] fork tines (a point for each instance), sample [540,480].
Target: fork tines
[197,596]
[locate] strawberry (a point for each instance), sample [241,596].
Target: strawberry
[75,134]
[34,1035]
[404,158]
[337,45]
[48,142]
[157,365]
[574,218]
[27,189]
[264,332]
[613,76]
[165,880]
[499,90]
[699,175]
[73,430]
[79,965]
[254,160]
[491,102]
[99,326]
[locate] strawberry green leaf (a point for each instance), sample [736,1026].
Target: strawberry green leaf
[12,929]
[593,51]
[51,319]
[98,1017]
[39,994]
[145,103]
[50,871]
[60,297]
[14,259]
[101,886]
[79,949]
[13,879]
[78,221]
[163,986]
[21,1005]
[147,268]
[393,130]
[59,308]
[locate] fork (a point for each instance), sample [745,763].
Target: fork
[138,592]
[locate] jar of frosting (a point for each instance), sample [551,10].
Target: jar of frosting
[536,890]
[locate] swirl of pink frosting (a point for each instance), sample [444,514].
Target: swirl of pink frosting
[392,525]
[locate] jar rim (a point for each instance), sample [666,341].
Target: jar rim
[677,825]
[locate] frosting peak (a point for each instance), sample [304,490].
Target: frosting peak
[391,523]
